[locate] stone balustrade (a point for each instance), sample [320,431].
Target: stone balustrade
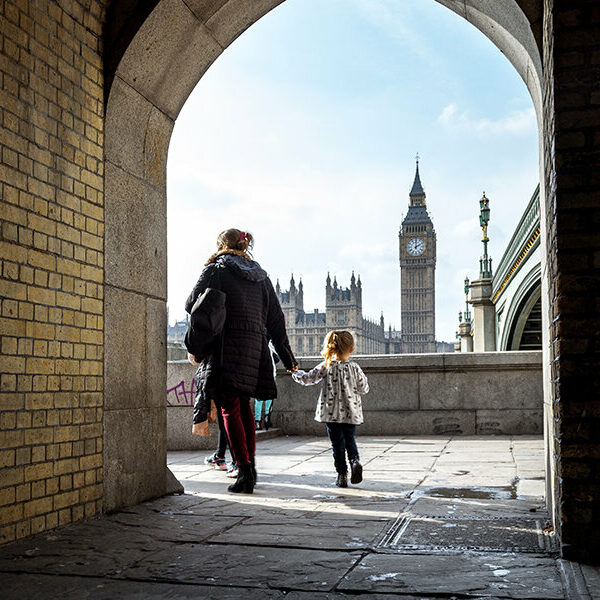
[412,394]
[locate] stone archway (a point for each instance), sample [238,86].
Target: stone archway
[524,331]
[166,58]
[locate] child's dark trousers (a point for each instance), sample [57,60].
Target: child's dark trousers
[342,442]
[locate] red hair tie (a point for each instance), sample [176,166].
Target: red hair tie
[243,235]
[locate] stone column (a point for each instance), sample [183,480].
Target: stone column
[484,316]
[466,340]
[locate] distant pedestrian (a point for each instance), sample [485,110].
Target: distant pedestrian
[240,365]
[339,405]
[258,404]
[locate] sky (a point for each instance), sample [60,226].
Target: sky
[305,130]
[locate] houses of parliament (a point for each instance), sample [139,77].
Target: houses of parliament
[343,305]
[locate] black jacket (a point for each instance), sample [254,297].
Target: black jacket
[243,365]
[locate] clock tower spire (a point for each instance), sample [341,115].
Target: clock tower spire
[417,273]
[417,193]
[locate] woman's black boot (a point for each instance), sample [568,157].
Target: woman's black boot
[244,484]
[253,469]
[267,421]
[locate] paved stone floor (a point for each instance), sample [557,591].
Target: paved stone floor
[435,517]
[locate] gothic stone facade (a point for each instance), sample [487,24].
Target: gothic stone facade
[343,310]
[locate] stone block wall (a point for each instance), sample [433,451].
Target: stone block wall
[51,271]
[429,394]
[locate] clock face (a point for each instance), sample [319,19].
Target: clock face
[416,247]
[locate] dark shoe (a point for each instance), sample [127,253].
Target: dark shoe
[253,469]
[257,425]
[267,421]
[244,484]
[342,480]
[356,471]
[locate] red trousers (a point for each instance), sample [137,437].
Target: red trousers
[239,425]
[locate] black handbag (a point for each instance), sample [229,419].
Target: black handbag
[207,318]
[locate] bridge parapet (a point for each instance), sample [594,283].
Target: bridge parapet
[422,394]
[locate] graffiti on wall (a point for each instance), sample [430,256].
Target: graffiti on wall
[180,395]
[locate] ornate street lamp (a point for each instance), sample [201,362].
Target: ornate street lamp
[467,313]
[485,263]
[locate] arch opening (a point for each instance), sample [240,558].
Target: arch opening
[171,51]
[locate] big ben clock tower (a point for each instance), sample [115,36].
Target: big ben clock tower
[417,274]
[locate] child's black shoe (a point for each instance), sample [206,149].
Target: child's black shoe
[342,480]
[356,471]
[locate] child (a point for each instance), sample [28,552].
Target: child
[339,405]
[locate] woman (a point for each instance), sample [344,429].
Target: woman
[240,365]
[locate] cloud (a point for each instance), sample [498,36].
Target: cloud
[518,122]
[466,229]
[397,21]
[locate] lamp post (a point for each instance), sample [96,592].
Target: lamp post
[467,313]
[485,263]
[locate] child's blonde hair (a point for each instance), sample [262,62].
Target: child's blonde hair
[337,343]
[233,241]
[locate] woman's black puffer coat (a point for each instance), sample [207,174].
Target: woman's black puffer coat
[244,365]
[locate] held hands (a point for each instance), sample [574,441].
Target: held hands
[294,368]
[192,359]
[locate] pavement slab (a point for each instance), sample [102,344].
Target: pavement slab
[502,575]
[93,548]
[319,532]
[476,507]
[362,596]
[280,567]
[53,587]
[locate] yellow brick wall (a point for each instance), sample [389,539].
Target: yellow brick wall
[51,269]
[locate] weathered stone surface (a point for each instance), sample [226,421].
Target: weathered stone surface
[179,431]
[463,390]
[137,134]
[342,596]
[134,456]
[212,563]
[156,352]
[515,421]
[170,53]
[473,574]
[175,527]
[300,534]
[318,532]
[55,587]
[487,393]
[168,505]
[136,249]
[437,422]
[235,17]
[477,507]
[172,485]
[124,364]
[94,548]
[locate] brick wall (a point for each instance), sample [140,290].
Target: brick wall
[51,250]
[572,155]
